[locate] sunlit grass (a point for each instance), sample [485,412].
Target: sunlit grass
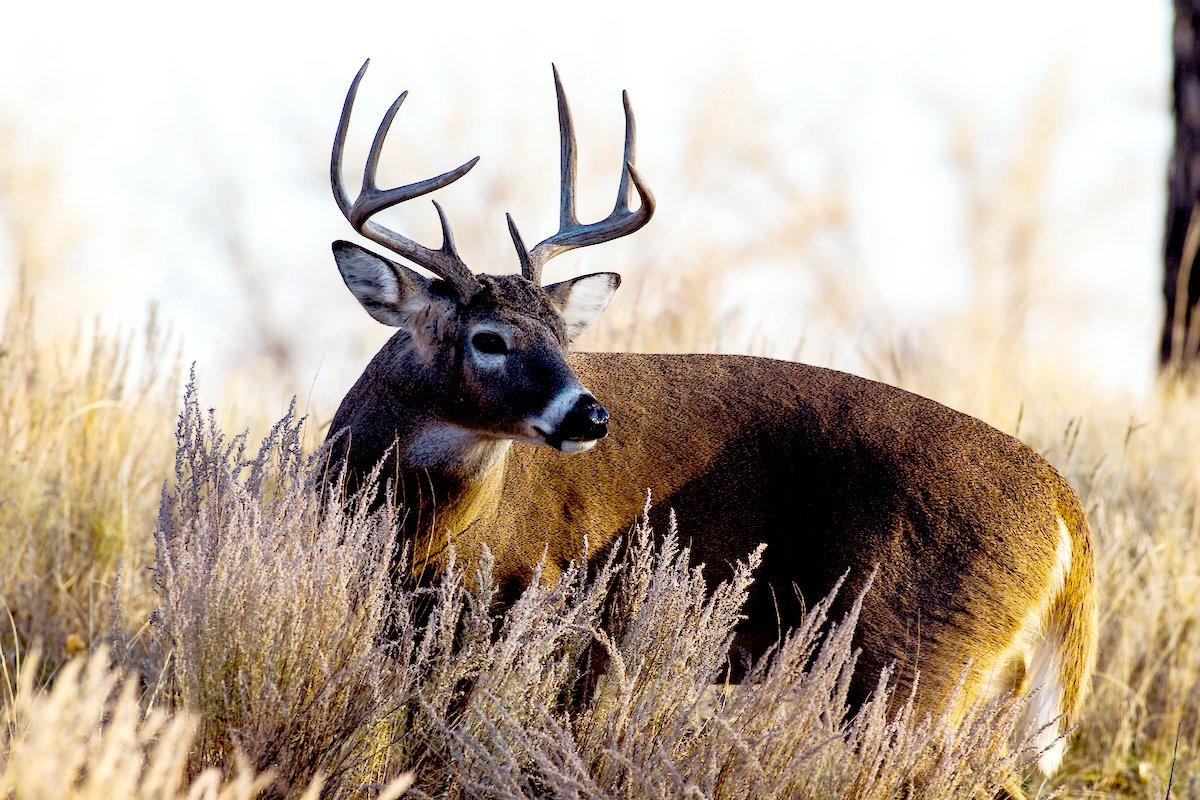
[257,631]
[82,458]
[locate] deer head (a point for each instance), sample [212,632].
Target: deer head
[485,354]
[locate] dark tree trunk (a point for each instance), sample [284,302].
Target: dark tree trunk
[1180,345]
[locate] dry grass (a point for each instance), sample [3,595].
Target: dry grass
[282,627]
[82,457]
[270,610]
[279,638]
[660,725]
[89,738]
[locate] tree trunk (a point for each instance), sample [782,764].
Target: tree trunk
[1180,345]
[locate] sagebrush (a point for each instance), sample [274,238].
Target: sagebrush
[283,626]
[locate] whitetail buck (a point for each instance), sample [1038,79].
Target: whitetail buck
[482,416]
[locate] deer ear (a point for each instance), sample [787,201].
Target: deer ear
[582,299]
[390,292]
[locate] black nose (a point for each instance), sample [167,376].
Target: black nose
[586,421]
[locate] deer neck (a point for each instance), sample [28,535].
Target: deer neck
[446,477]
[452,479]
[455,454]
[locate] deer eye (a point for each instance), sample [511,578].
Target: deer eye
[489,343]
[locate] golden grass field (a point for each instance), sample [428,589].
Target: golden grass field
[182,620]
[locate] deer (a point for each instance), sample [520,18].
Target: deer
[505,439]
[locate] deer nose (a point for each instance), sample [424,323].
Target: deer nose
[586,421]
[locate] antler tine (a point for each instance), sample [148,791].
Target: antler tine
[339,143]
[443,262]
[571,233]
[527,270]
[371,167]
[622,203]
[568,165]
[447,234]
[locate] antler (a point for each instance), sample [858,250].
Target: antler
[571,232]
[443,262]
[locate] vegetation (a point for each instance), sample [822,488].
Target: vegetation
[229,636]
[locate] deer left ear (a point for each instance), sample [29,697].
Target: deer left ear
[581,300]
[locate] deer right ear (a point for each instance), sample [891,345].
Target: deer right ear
[390,292]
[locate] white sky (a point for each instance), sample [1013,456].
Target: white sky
[140,101]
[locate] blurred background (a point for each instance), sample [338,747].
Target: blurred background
[837,182]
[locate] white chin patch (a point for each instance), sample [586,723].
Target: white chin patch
[571,448]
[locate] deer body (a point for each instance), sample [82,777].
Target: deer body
[480,417]
[964,525]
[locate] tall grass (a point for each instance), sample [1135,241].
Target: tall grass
[89,738]
[282,626]
[271,607]
[280,629]
[82,457]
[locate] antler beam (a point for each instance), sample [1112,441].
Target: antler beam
[443,262]
[571,232]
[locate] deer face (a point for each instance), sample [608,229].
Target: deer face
[486,354]
[495,363]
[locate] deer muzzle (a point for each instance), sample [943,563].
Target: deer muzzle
[584,424]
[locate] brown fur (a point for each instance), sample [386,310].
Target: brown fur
[835,473]
[832,471]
